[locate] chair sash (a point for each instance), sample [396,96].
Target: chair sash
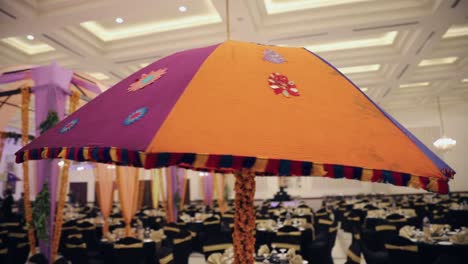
[124,246]
[401,220]
[82,245]
[22,245]
[166,259]
[385,228]
[68,228]
[332,229]
[412,248]
[215,222]
[11,224]
[356,218]
[181,240]
[86,228]
[353,257]
[294,233]
[75,236]
[216,247]
[17,235]
[170,228]
[286,245]
[325,222]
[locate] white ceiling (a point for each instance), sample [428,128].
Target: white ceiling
[403,52]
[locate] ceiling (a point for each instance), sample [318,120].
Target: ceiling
[401,52]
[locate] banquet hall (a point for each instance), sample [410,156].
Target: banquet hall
[233,131]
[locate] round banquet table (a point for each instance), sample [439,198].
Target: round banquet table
[149,247]
[430,252]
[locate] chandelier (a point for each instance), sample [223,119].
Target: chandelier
[444,143]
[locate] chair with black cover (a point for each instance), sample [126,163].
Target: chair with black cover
[216,244]
[353,255]
[182,247]
[18,247]
[128,250]
[402,251]
[3,252]
[88,230]
[287,237]
[75,249]
[171,230]
[165,256]
[373,252]
[38,259]
[397,220]
[319,250]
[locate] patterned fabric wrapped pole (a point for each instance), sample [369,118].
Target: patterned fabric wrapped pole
[244,218]
[74,100]
[26,97]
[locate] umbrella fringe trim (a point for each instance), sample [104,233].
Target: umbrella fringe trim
[229,163]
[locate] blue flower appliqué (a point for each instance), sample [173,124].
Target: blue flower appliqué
[135,116]
[69,126]
[272,56]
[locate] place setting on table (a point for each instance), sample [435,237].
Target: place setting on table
[149,240]
[263,256]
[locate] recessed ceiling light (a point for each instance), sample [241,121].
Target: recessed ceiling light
[98,76]
[418,84]
[30,37]
[27,47]
[456,31]
[119,20]
[364,89]
[438,61]
[80,168]
[358,69]
[465,80]
[276,7]
[183,9]
[385,39]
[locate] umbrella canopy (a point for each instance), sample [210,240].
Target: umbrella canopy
[275,110]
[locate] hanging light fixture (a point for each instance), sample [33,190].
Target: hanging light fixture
[444,143]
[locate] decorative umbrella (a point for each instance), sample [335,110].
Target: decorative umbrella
[245,108]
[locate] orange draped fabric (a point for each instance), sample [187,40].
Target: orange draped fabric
[127,180]
[170,201]
[218,185]
[105,189]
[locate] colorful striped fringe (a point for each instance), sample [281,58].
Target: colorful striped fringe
[229,163]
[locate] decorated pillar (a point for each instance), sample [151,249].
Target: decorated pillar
[51,88]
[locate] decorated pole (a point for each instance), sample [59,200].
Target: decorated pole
[74,100]
[244,218]
[25,99]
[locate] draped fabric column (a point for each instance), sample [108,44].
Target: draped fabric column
[157,188]
[184,189]
[50,92]
[219,179]
[208,188]
[127,180]
[105,190]
[175,182]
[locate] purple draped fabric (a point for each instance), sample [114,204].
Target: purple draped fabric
[177,178]
[208,188]
[12,77]
[50,92]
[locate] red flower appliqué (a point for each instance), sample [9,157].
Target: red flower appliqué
[147,79]
[281,84]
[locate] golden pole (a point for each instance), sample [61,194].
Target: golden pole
[228,26]
[25,98]
[74,100]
